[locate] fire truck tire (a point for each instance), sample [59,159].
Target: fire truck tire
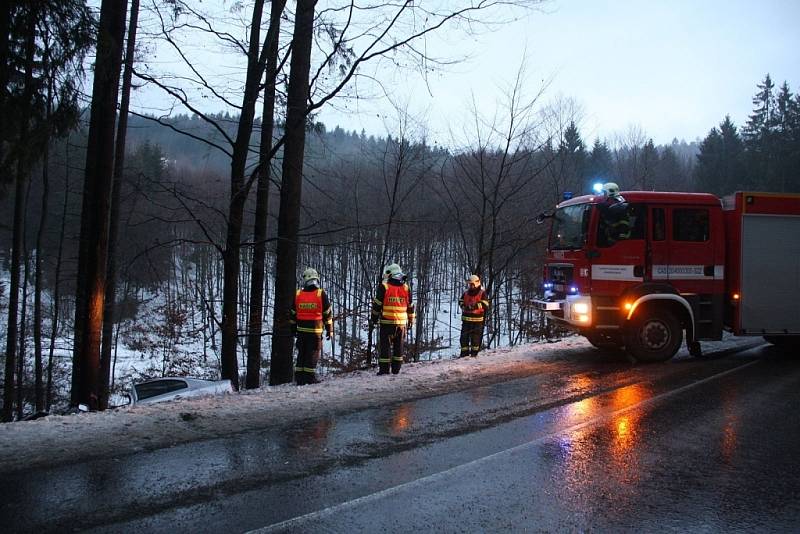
[653,335]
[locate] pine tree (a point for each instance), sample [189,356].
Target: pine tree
[649,164]
[572,159]
[763,116]
[42,45]
[720,162]
[670,174]
[709,163]
[600,163]
[767,139]
[787,139]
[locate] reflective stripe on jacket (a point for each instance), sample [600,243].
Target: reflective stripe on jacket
[308,305]
[474,306]
[392,304]
[311,310]
[395,305]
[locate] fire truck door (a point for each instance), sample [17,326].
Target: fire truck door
[690,265]
[658,246]
[620,262]
[695,264]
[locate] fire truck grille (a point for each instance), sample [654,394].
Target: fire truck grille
[561,277]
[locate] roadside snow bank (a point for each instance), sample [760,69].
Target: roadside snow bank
[55,440]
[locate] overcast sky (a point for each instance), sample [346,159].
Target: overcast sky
[672,67]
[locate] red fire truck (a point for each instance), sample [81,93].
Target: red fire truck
[635,270]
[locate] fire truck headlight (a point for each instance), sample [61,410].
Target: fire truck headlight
[573,289]
[583,318]
[581,308]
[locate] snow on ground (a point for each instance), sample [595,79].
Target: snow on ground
[65,439]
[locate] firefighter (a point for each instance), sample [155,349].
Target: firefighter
[393,310]
[615,216]
[474,304]
[310,316]
[618,223]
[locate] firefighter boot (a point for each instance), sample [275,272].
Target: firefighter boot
[311,378]
[383,368]
[396,364]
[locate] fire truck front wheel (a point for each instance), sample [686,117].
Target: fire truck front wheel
[653,335]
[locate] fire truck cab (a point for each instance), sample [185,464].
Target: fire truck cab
[637,269]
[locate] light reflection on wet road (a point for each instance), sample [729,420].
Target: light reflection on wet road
[581,449]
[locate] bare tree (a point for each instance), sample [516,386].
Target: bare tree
[493,189]
[291,188]
[387,29]
[256,312]
[116,188]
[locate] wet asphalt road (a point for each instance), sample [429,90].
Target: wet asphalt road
[586,444]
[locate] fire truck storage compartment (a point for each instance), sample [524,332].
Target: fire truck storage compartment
[770,269]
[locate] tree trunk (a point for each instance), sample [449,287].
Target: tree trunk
[291,188]
[57,284]
[239,190]
[113,230]
[19,222]
[5,22]
[23,325]
[256,316]
[91,278]
[13,297]
[37,291]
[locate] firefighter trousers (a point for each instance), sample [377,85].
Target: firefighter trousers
[309,348]
[471,336]
[391,341]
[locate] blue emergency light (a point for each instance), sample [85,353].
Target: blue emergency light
[567,195]
[597,188]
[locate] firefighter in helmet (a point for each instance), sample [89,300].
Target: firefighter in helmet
[310,316]
[393,309]
[615,218]
[474,304]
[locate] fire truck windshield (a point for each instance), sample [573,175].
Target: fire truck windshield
[570,227]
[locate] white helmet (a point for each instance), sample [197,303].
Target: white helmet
[474,281]
[611,190]
[309,275]
[393,271]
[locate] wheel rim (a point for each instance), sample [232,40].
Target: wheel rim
[655,335]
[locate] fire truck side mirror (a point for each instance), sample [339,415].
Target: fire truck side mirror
[542,217]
